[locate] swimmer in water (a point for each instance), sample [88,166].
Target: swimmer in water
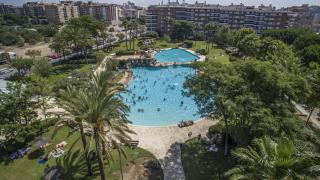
[158,109]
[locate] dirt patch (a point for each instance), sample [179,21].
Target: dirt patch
[20,51]
[139,170]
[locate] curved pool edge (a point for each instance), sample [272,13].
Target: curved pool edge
[164,126]
[201,57]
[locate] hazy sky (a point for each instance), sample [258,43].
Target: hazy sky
[145,3]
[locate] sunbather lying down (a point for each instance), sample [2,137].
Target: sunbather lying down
[62,144]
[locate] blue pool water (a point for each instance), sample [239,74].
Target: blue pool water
[159,92]
[156,94]
[175,55]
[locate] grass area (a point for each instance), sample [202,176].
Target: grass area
[72,162]
[215,53]
[122,46]
[162,44]
[198,163]
[63,71]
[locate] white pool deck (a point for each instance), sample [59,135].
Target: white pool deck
[164,142]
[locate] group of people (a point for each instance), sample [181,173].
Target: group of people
[140,90]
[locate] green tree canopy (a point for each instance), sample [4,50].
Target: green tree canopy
[182,29]
[269,159]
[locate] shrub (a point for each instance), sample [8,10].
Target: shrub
[41,67]
[9,39]
[99,55]
[202,51]
[233,58]
[188,44]
[152,164]
[20,42]
[151,35]
[111,29]
[125,52]
[166,38]
[30,36]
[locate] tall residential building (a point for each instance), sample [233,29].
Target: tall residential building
[305,16]
[6,9]
[101,11]
[61,13]
[130,10]
[235,16]
[34,9]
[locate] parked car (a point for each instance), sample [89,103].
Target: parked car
[55,56]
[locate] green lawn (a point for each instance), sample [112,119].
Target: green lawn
[215,52]
[63,71]
[162,44]
[122,46]
[198,163]
[72,161]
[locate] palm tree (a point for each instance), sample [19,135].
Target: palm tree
[69,101]
[105,113]
[135,26]
[210,28]
[125,24]
[130,26]
[273,160]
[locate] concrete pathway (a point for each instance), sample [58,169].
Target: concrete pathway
[164,143]
[313,118]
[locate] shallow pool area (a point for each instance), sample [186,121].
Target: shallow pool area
[175,55]
[156,96]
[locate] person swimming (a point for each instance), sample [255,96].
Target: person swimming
[158,109]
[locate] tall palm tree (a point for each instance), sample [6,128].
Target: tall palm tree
[210,28]
[273,160]
[125,24]
[105,113]
[69,101]
[130,26]
[135,26]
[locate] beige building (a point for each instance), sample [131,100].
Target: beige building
[104,12]
[61,13]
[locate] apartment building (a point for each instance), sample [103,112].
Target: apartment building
[235,16]
[34,9]
[101,11]
[305,16]
[130,10]
[61,13]
[6,9]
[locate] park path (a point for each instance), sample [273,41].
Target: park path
[164,143]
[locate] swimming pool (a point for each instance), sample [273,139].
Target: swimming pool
[156,98]
[175,55]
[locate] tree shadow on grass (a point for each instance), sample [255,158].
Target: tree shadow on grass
[198,163]
[5,160]
[36,154]
[73,165]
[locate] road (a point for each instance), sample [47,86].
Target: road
[69,56]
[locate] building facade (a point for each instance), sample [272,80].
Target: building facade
[305,16]
[130,10]
[61,13]
[235,16]
[104,12]
[6,9]
[34,9]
